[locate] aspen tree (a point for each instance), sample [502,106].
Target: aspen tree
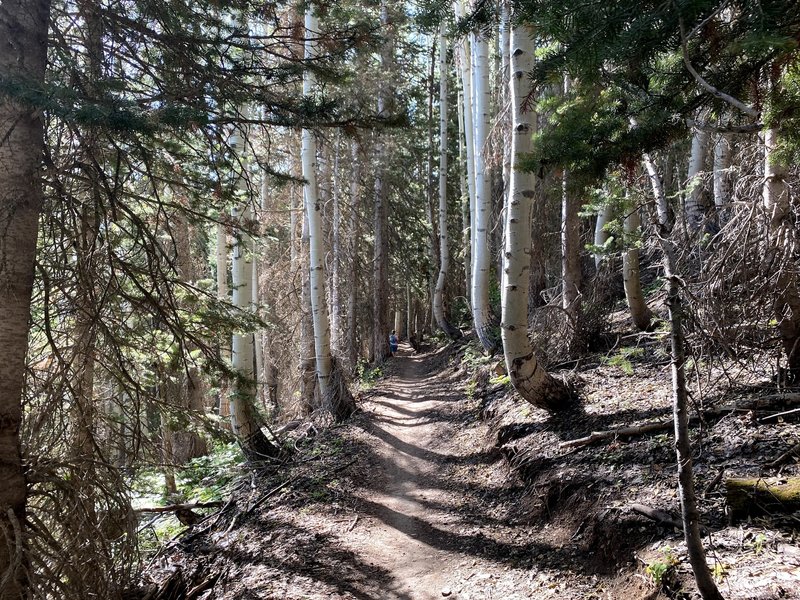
[527,374]
[334,393]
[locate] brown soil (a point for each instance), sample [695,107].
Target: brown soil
[433,492]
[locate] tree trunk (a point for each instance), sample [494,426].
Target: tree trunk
[483,193]
[604,216]
[527,375]
[444,251]
[336,257]
[380,265]
[353,239]
[723,178]
[23,39]
[244,417]
[336,397]
[640,313]
[465,195]
[680,412]
[694,211]
[571,253]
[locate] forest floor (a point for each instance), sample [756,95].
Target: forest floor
[445,485]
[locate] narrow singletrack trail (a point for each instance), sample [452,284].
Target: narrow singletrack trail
[415,524]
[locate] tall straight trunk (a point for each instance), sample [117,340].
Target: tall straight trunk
[690,515]
[85,334]
[245,421]
[570,244]
[336,255]
[353,236]
[380,264]
[444,251]
[24,22]
[465,185]
[640,313]
[694,211]
[483,194]
[433,251]
[308,365]
[527,374]
[336,397]
[467,123]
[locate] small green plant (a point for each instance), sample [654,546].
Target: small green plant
[758,543]
[500,380]
[622,360]
[471,388]
[660,568]
[367,375]
[720,571]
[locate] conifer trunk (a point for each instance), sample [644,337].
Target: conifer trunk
[444,252]
[24,22]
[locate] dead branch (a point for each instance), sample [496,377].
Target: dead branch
[177,507]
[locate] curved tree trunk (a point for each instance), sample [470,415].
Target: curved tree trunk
[444,252]
[527,374]
[21,198]
[335,396]
[640,313]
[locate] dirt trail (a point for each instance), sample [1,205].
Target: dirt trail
[407,511]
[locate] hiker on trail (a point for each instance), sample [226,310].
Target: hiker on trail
[393,342]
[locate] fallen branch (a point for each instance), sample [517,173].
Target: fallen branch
[177,507]
[667,424]
[783,458]
[627,431]
[657,515]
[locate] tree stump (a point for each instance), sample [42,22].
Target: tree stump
[758,496]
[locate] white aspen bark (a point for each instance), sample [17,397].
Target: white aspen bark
[409,317]
[464,57]
[312,206]
[693,208]
[466,238]
[527,375]
[600,234]
[24,27]
[334,393]
[308,365]
[662,207]
[723,178]
[244,417]
[483,198]
[444,251]
[640,313]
